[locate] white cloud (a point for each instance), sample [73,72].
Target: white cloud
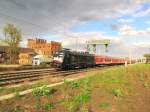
[143,13]
[70,38]
[142,44]
[126,20]
[128,30]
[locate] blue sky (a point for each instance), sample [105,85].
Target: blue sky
[139,23]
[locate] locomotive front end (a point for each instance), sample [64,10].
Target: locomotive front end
[57,61]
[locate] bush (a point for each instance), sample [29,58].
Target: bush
[43,91]
[48,106]
[117,92]
[82,98]
[104,105]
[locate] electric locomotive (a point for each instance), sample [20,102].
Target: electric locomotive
[67,59]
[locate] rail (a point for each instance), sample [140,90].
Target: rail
[16,77]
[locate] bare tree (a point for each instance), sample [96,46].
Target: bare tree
[12,38]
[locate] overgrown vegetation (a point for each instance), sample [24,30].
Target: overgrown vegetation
[41,92]
[104,104]
[75,95]
[118,88]
[117,92]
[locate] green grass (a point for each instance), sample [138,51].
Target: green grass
[17,95]
[85,110]
[48,106]
[74,100]
[104,104]
[117,92]
[120,75]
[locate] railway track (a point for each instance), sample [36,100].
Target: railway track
[16,77]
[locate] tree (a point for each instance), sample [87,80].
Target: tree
[147,56]
[12,38]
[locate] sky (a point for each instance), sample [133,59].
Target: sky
[125,22]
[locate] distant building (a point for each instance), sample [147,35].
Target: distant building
[24,57]
[3,54]
[43,47]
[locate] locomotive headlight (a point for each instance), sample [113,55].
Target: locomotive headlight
[58,59]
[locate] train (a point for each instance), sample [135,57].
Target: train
[68,59]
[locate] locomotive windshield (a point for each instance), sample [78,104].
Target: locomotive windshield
[59,54]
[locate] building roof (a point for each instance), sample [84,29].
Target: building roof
[21,50]
[3,48]
[2,43]
[27,50]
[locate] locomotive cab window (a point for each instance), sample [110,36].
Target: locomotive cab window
[108,59]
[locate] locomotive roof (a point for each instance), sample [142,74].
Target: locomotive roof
[76,53]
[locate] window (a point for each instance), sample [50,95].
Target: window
[108,59]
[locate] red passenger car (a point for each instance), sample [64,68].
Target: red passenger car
[108,60]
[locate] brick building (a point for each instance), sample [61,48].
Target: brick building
[43,47]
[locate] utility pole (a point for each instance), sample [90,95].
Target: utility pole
[76,43]
[130,55]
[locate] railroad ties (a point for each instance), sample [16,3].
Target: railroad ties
[17,77]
